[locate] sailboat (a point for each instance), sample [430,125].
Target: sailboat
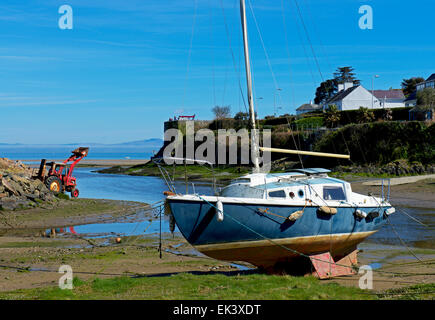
[270,220]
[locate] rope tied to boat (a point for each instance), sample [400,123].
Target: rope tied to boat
[270,240]
[292,217]
[293,250]
[386,216]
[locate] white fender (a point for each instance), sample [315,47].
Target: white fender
[390,211]
[328,210]
[361,214]
[296,215]
[219,211]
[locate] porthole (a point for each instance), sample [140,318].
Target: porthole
[301,193]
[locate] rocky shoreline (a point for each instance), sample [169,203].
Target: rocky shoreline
[18,190]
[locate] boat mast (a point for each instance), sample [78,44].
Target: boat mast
[255,153]
[255,146]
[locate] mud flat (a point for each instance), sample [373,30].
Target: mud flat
[32,261]
[133,269]
[66,213]
[418,194]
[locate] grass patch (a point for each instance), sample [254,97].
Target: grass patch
[109,255]
[193,287]
[63,196]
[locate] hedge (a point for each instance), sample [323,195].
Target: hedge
[381,142]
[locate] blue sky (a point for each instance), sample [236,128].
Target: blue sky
[127,66]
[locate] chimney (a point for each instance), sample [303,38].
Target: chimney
[348,85]
[340,87]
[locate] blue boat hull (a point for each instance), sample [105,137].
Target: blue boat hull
[264,239]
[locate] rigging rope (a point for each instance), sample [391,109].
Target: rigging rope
[294,141]
[264,49]
[295,251]
[411,217]
[190,53]
[213,52]
[403,243]
[232,54]
[288,53]
[311,18]
[308,38]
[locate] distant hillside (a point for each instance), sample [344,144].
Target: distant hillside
[142,149]
[147,142]
[151,143]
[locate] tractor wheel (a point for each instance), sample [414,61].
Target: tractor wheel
[54,184]
[75,193]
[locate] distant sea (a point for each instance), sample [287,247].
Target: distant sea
[57,152]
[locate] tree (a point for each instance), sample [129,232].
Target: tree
[345,74]
[410,85]
[268,117]
[241,116]
[325,91]
[365,115]
[222,112]
[426,98]
[332,116]
[329,88]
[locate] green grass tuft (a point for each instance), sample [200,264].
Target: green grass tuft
[63,196]
[194,287]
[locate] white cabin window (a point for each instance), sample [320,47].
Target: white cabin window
[277,194]
[333,193]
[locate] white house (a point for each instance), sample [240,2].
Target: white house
[393,98]
[352,97]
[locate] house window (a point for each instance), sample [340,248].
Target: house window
[333,193]
[277,194]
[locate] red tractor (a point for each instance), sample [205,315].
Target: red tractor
[59,178]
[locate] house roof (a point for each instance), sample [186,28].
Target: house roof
[388,94]
[432,77]
[341,95]
[308,106]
